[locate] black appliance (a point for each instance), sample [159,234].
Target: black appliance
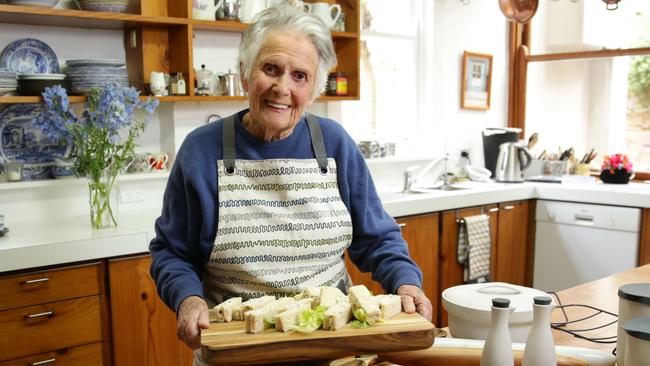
[492,139]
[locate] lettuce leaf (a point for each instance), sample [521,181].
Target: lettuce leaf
[310,320]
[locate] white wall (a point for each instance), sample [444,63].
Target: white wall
[477,27]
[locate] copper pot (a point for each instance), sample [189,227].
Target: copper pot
[611,4]
[520,11]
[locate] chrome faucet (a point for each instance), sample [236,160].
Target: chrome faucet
[410,179]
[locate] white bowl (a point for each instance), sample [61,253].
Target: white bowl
[469,308]
[36,3]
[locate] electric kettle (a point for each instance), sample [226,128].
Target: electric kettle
[513,159]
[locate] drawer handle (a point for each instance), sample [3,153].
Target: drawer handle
[402,224]
[48,314]
[44,362]
[38,280]
[494,209]
[509,207]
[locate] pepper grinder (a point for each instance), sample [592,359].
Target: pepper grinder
[497,350]
[540,347]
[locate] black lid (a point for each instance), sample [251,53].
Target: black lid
[499,302]
[542,300]
[638,328]
[637,292]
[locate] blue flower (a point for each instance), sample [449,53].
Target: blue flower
[94,137]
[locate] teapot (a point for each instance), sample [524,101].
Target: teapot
[203,9]
[324,12]
[229,84]
[204,81]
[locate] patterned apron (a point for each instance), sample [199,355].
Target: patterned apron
[282,225]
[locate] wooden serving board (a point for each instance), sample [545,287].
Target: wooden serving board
[229,344]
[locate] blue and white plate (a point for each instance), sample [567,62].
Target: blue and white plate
[29,56]
[20,139]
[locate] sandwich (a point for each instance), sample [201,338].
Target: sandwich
[329,296]
[286,320]
[366,307]
[224,311]
[258,319]
[390,305]
[309,292]
[337,316]
[238,312]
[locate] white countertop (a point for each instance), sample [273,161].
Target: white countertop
[41,243]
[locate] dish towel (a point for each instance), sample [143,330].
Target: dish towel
[473,250]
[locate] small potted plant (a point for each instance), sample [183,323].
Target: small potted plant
[101,141]
[617,169]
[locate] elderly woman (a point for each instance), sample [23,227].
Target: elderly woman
[268,200]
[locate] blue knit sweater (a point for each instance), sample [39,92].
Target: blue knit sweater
[186,229]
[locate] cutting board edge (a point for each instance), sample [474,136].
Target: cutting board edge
[316,349]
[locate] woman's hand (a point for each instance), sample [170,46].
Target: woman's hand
[413,298]
[192,317]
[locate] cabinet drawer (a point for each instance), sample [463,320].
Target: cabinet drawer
[49,286]
[90,354]
[43,328]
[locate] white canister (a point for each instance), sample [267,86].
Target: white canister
[633,302]
[249,8]
[637,340]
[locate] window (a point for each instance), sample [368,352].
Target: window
[601,103]
[391,92]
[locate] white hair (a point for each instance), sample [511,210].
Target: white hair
[288,18]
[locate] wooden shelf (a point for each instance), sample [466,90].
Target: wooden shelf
[36,99]
[219,25]
[80,18]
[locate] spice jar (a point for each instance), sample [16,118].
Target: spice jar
[337,84]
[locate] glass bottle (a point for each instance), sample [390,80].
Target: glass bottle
[182,90]
[497,350]
[540,346]
[173,84]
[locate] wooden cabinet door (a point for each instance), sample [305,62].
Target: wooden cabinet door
[513,242]
[144,329]
[422,235]
[451,272]
[644,240]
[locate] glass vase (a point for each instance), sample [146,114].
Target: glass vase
[103,198]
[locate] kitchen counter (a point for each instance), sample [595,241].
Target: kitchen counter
[31,244]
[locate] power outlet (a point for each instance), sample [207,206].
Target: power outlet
[132,196]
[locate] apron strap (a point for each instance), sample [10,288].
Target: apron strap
[317,142]
[229,154]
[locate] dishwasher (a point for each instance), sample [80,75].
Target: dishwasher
[577,243]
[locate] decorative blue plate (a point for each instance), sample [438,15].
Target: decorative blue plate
[29,56]
[20,139]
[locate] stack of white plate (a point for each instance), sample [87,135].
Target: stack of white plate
[86,74]
[8,82]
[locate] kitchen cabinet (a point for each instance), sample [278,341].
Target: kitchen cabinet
[158,36]
[143,327]
[54,315]
[421,235]
[514,255]
[644,241]
[511,250]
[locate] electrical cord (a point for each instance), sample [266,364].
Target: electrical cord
[561,326]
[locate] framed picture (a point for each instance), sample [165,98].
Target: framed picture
[477,78]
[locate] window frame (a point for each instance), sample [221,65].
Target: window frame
[519,58]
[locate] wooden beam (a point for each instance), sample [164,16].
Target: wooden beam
[589,54]
[522,69]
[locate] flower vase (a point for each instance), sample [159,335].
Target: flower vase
[618,177]
[103,198]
